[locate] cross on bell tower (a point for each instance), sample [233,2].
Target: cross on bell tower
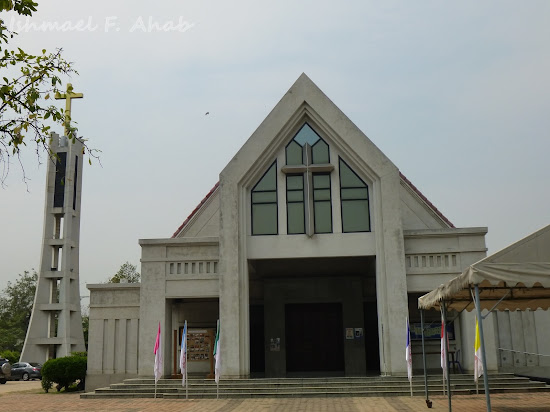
[68,96]
[55,327]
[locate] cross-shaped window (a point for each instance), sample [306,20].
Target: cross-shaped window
[307,169]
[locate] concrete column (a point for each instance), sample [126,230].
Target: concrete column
[391,283]
[274,327]
[152,309]
[354,349]
[234,298]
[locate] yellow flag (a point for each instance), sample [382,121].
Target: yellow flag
[478,365]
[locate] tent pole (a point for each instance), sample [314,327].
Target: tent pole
[445,345]
[424,359]
[482,341]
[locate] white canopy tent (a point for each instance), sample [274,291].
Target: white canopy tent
[515,278]
[518,274]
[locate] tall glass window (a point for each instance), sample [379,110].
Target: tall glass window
[264,204]
[295,205]
[354,195]
[322,203]
[308,168]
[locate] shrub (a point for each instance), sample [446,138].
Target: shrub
[46,384]
[11,355]
[65,371]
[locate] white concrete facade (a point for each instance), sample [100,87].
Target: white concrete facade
[214,266]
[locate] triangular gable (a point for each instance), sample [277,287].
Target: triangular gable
[204,219]
[305,100]
[417,212]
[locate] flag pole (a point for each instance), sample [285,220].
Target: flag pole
[446,346]
[482,342]
[442,352]
[186,380]
[217,359]
[408,355]
[428,402]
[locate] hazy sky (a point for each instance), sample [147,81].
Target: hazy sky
[456,94]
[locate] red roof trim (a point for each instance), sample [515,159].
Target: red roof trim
[425,199]
[203,201]
[413,187]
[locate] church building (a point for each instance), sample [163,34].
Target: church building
[312,250]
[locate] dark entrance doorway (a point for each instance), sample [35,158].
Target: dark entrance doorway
[257,346]
[372,352]
[314,337]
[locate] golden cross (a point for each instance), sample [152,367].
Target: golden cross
[68,96]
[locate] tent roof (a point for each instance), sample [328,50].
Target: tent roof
[518,274]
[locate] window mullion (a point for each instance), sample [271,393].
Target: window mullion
[308,198]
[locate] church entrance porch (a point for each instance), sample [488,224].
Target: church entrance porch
[201,316]
[313,338]
[308,317]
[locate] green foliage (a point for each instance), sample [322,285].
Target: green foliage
[65,371]
[81,354]
[26,116]
[11,355]
[85,329]
[46,384]
[16,302]
[127,273]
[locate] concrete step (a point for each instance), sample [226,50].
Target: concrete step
[314,386]
[311,382]
[257,394]
[310,387]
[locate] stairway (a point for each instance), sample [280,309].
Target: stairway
[311,387]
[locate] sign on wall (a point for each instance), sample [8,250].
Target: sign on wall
[431,331]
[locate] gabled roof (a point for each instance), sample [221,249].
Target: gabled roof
[425,199]
[194,212]
[403,177]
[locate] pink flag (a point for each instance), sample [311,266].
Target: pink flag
[443,351]
[159,367]
[408,353]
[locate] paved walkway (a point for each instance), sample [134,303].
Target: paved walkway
[525,402]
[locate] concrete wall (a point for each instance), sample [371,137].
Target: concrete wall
[527,331]
[113,333]
[435,256]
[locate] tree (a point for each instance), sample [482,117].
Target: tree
[25,116]
[16,302]
[85,328]
[126,274]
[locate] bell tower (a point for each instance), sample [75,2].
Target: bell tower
[55,327]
